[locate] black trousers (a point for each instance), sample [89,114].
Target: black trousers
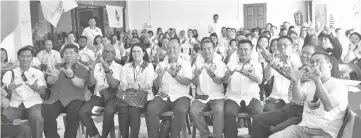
[51,111]
[85,113]
[280,119]
[129,116]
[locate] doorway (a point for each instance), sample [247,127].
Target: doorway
[255,15]
[83,13]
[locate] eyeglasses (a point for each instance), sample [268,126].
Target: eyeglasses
[244,49]
[284,45]
[137,51]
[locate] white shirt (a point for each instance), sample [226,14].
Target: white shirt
[206,84]
[282,84]
[329,121]
[99,75]
[52,58]
[91,33]
[215,28]
[142,75]
[87,55]
[170,85]
[240,87]
[24,94]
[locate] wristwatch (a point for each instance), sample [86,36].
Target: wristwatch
[175,75]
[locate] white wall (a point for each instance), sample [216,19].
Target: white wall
[198,14]
[22,35]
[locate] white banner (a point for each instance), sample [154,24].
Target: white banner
[52,10]
[115,16]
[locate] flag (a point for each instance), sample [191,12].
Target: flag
[9,24]
[52,10]
[115,16]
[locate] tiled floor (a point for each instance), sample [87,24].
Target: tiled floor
[142,132]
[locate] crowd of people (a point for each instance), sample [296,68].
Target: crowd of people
[285,80]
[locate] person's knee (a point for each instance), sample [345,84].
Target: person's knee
[219,110]
[228,111]
[181,110]
[152,107]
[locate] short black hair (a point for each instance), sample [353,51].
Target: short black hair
[248,35]
[215,15]
[269,24]
[83,37]
[207,40]
[224,28]
[228,28]
[232,40]
[245,41]
[285,37]
[175,38]
[71,46]
[328,57]
[348,32]
[92,17]
[150,32]
[274,26]
[213,34]
[337,29]
[254,30]
[259,39]
[283,29]
[292,32]
[26,48]
[47,40]
[357,34]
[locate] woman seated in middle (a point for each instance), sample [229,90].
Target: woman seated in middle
[137,74]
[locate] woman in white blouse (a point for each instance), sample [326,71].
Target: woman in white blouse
[137,74]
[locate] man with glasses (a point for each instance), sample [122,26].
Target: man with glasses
[243,78]
[106,76]
[68,82]
[291,114]
[286,57]
[208,77]
[26,84]
[325,100]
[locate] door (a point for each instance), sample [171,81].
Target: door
[83,13]
[255,15]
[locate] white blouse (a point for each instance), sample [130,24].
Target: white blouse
[138,74]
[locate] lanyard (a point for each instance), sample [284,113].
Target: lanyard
[135,73]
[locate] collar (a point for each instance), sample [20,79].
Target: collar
[140,63]
[47,51]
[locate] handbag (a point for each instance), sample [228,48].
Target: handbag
[132,97]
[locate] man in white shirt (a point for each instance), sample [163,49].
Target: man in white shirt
[215,27]
[92,31]
[243,78]
[324,102]
[173,78]
[48,57]
[26,84]
[86,55]
[106,76]
[273,121]
[208,77]
[281,83]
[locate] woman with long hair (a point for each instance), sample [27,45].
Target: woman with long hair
[137,74]
[354,51]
